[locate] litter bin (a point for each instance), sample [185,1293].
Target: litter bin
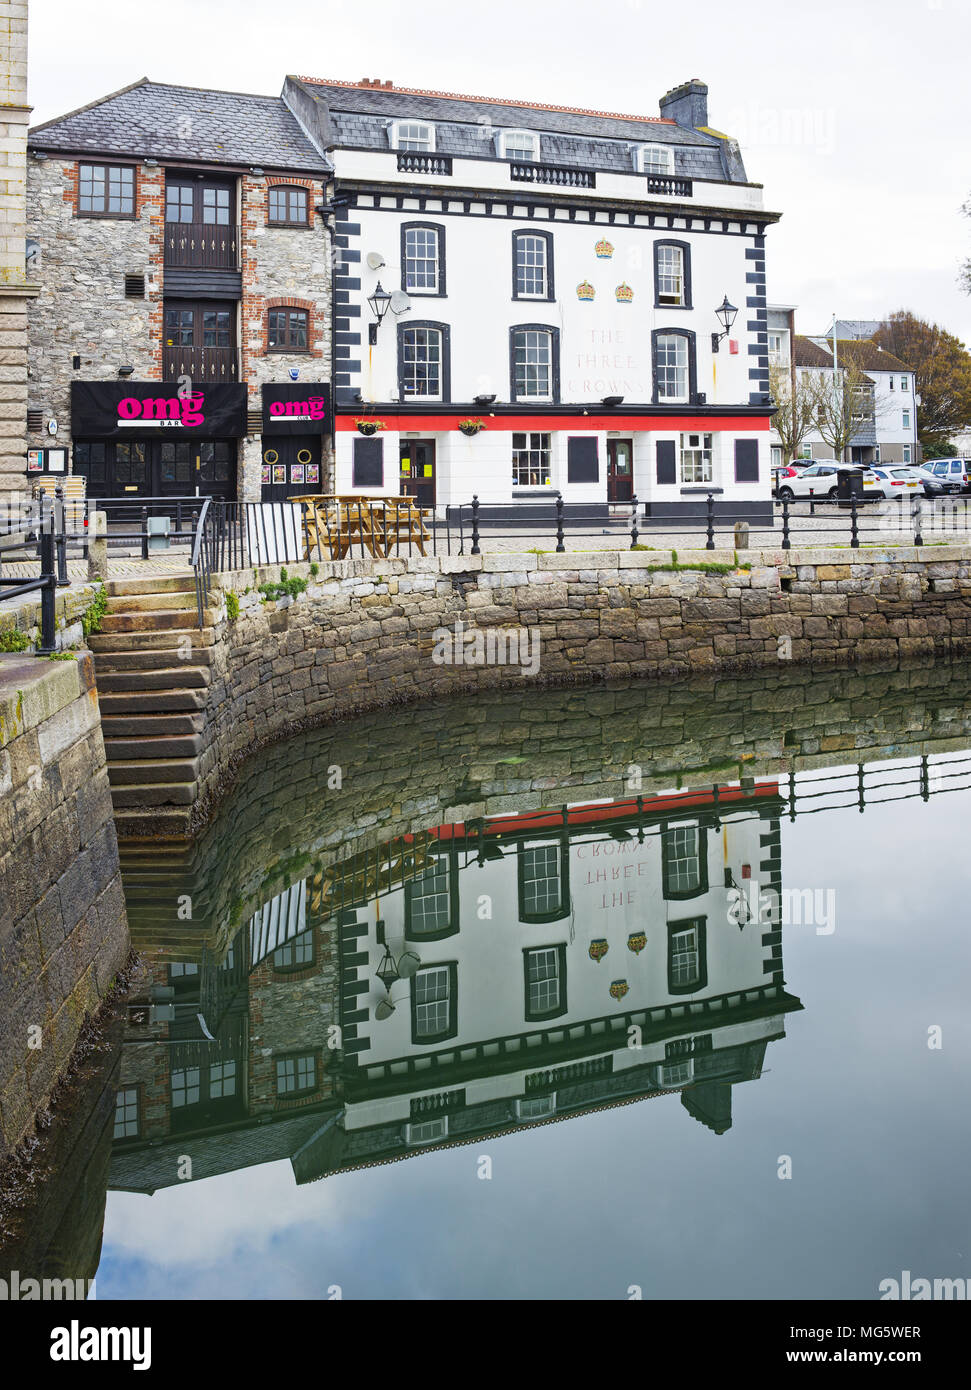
[849,484]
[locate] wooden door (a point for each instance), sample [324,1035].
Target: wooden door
[418,471]
[620,470]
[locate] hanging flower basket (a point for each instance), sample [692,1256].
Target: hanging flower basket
[471,427]
[598,949]
[369,426]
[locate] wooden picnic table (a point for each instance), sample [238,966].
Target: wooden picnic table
[342,525]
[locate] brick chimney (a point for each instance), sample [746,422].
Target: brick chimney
[687,104]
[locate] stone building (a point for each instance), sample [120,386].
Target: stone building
[15,288]
[181,243]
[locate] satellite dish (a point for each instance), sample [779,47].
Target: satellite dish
[384,1010]
[408,965]
[400,303]
[375,260]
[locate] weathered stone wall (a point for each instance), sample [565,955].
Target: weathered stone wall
[15,290]
[69,607]
[63,928]
[363,635]
[515,751]
[81,306]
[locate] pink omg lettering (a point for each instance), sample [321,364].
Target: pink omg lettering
[315,408]
[187,409]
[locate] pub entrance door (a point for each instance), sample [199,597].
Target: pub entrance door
[620,470]
[418,471]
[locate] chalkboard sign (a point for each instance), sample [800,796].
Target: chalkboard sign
[746,460]
[666,461]
[368,463]
[582,462]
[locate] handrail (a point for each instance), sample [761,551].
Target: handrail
[199,527]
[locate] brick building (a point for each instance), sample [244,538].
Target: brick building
[180,243]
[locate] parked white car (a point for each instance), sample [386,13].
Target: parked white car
[820,480]
[897,482]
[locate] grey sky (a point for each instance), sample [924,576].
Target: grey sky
[852,115]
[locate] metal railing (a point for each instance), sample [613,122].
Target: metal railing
[39,522]
[709,522]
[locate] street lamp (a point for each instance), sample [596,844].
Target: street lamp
[725,313]
[379,302]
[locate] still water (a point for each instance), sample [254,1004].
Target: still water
[654,988]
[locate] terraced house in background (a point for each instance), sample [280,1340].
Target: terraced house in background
[526,300]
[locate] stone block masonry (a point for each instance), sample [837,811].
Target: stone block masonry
[363,635]
[63,928]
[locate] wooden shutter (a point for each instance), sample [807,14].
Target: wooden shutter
[368,463]
[746,460]
[667,470]
[582,460]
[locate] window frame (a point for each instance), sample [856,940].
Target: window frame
[297,966]
[535,1016]
[439,230]
[287,188]
[701,448]
[136,1091]
[108,166]
[554,335]
[666,150]
[288,348]
[295,1056]
[683,924]
[547,449]
[563,878]
[518,130]
[445,368]
[449,858]
[685,248]
[452,1025]
[690,339]
[682,894]
[550,294]
[394,131]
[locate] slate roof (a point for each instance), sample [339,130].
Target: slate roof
[155,120]
[469,126]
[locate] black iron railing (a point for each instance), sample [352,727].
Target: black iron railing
[34,531]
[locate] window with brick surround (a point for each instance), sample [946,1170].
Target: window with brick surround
[106,190]
[287,330]
[287,206]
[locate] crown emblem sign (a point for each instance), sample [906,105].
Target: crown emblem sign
[624,294]
[604,250]
[586,291]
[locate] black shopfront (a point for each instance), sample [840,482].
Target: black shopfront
[296,417]
[144,439]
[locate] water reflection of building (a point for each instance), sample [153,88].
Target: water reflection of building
[537,966]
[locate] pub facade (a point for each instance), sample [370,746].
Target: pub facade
[180,340]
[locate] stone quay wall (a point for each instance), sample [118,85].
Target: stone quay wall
[368,633]
[63,927]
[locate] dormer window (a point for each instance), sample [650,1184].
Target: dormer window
[654,159]
[520,145]
[416,136]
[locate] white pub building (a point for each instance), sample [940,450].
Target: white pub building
[532,299]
